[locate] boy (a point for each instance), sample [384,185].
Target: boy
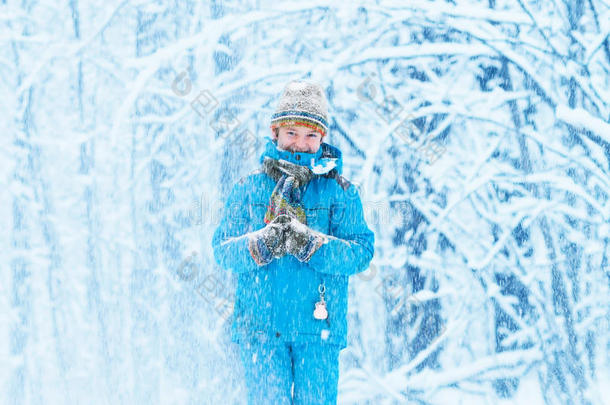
[293,231]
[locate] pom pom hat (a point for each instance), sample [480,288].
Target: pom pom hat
[302,103]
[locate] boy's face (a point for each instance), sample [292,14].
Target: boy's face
[298,139]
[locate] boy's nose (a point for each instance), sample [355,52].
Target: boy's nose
[301,144]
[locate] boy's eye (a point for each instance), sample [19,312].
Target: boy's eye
[313,135]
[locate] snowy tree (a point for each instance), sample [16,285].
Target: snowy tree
[477,133]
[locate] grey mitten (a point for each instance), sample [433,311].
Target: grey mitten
[302,241]
[269,242]
[274,236]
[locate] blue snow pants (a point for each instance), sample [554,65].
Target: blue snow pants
[271,370]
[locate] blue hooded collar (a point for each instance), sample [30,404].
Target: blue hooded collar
[323,162]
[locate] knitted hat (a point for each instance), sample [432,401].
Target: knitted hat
[302,103]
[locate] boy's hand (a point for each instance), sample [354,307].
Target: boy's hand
[302,241]
[274,235]
[269,242]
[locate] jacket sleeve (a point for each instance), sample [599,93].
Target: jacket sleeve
[231,238]
[349,248]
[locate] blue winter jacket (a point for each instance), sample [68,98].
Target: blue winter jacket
[275,302]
